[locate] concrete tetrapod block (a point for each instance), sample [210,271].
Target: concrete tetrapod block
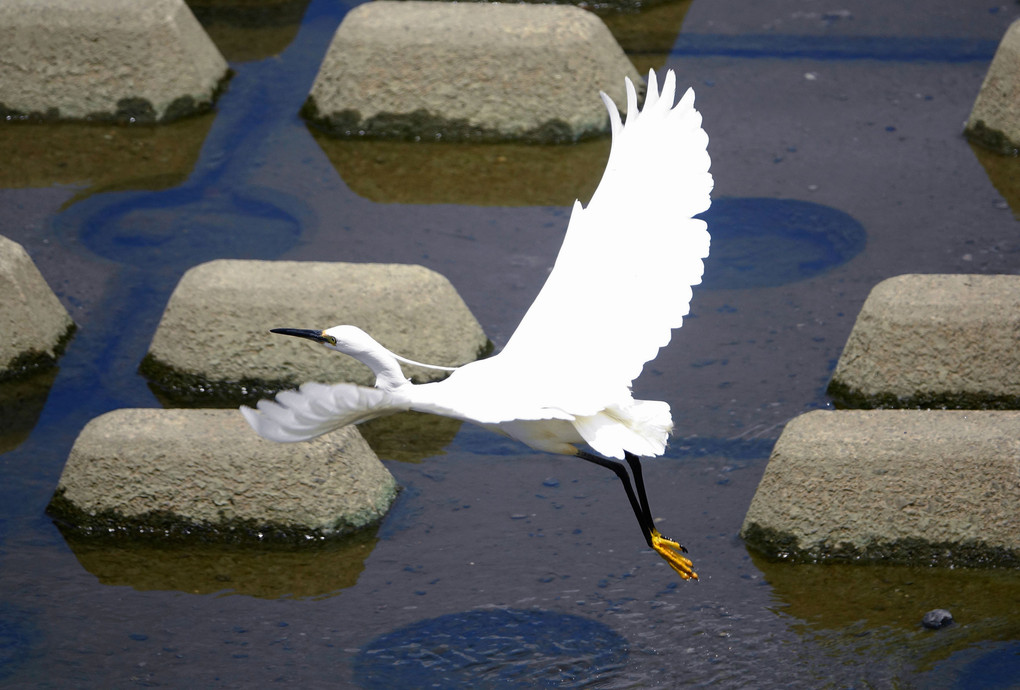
[927,487]
[105,59]
[995,119]
[213,339]
[469,72]
[934,341]
[205,473]
[34,323]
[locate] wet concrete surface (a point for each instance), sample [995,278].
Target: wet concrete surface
[839,161]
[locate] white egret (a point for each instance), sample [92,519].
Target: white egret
[623,276]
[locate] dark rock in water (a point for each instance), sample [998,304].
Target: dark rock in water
[937,618]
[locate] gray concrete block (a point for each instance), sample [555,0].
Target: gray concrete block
[105,60]
[34,324]
[995,119]
[213,339]
[469,72]
[934,341]
[204,473]
[926,487]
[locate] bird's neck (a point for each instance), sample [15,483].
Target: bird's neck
[388,375]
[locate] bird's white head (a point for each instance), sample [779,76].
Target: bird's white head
[349,340]
[353,341]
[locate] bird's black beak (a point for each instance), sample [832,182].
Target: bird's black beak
[306,333]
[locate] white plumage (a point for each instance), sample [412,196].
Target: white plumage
[622,278]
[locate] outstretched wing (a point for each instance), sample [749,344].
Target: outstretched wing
[623,277]
[316,408]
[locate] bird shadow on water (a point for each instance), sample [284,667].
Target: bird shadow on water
[761,242]
[499,647]
[177,228]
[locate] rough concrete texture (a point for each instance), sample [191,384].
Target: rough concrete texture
[934,341]
[465,71]
[214,334]
[34,323]
[912,486]
[105,59]
[995,119]
[206,473]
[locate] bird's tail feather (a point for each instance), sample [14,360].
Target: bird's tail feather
[641,427]
[317,408]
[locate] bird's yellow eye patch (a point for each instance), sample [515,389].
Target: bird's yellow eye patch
[329,339]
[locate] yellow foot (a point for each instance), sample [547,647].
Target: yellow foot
[673,553]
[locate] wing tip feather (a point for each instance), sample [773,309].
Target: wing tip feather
[615,125]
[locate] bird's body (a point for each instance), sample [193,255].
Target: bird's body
[623,277]
[514,409]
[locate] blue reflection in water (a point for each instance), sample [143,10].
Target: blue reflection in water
[503,648]
[175,229]
[17,638]
[217,212]
[153,237]
[759,242]
[982,667]
[946,49]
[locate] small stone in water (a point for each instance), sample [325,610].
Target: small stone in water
[937,618]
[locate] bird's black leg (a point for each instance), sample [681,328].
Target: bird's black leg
[670,550]
[641,511]
[639,483]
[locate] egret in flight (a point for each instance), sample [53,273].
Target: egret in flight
[621,283]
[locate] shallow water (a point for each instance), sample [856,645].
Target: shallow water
[838,162]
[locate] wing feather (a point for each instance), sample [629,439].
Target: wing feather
[317,408]
[621,282]
[623,277]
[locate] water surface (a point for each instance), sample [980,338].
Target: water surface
[839,162]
